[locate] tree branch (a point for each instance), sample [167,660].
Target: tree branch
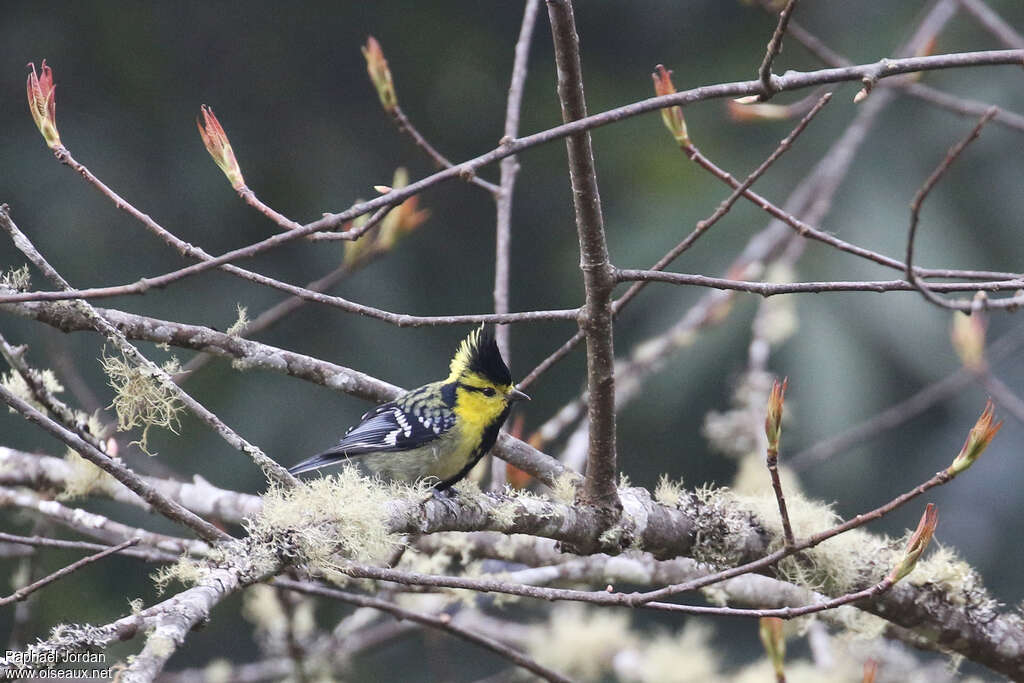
[270,468]
[168,508]
[793,80]
[915,212]
[254,355]
[598,272]
[764,72]
[23,593]
[514,656]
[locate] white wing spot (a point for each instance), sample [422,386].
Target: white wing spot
[403,423]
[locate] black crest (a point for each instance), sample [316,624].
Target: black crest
[479,353]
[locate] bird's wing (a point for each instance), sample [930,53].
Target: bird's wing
[391,428]
[385,429]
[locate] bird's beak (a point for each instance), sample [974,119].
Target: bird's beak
[516,395]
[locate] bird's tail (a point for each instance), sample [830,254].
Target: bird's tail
[331,457]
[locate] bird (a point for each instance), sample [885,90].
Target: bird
[438,431]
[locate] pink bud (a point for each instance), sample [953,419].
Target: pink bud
[216,141]
[380,74]
[671,116]
[43,104]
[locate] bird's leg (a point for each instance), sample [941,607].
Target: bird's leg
[447,497]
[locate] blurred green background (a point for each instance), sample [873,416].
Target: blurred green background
[289,85]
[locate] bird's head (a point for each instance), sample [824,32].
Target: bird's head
[483,381]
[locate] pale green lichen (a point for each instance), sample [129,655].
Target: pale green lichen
[438,562]
[846,562]
[238,327]
[84,478]
[720,525]
[185,571]
[160,646]
[752,477]
[219,670]
[467,489]
[504,514]
[564,487]
[958,581]
[669,493]
[739,431]
[777,320]
[683,657]
[528,501]
[141,398]
[611,537]
[17,279]
[328,520]
[262,608]
[578,642]
[16,384]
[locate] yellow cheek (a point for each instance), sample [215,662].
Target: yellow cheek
[476,411]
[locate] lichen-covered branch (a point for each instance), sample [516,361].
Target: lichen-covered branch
[249,354]
[43,472]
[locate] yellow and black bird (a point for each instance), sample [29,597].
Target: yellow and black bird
[438,431]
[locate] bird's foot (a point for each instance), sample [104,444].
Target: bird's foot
[446,496]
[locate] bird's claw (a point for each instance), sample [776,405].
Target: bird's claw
[448,497]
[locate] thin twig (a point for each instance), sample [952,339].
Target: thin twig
[346,235]
[98,526]
[723,208]
[271,469]
[405,125]
[281,310]
[959,105]
[993,23]
[269,317]
[28,570]
[805,229]
[503,198]
[701,227]
[811,198]
[440,623]
[485,585]
[23,593]
[43,396]
[509,170]
[915,211]
[47,542]
[398,319]
[1004,396]
[773,428]
[170,509]
[908,84]
[907,409]
[254,355]
[789,81]
[775,288]
[598,273]
[764,72]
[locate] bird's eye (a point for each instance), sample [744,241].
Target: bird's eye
[488,391]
